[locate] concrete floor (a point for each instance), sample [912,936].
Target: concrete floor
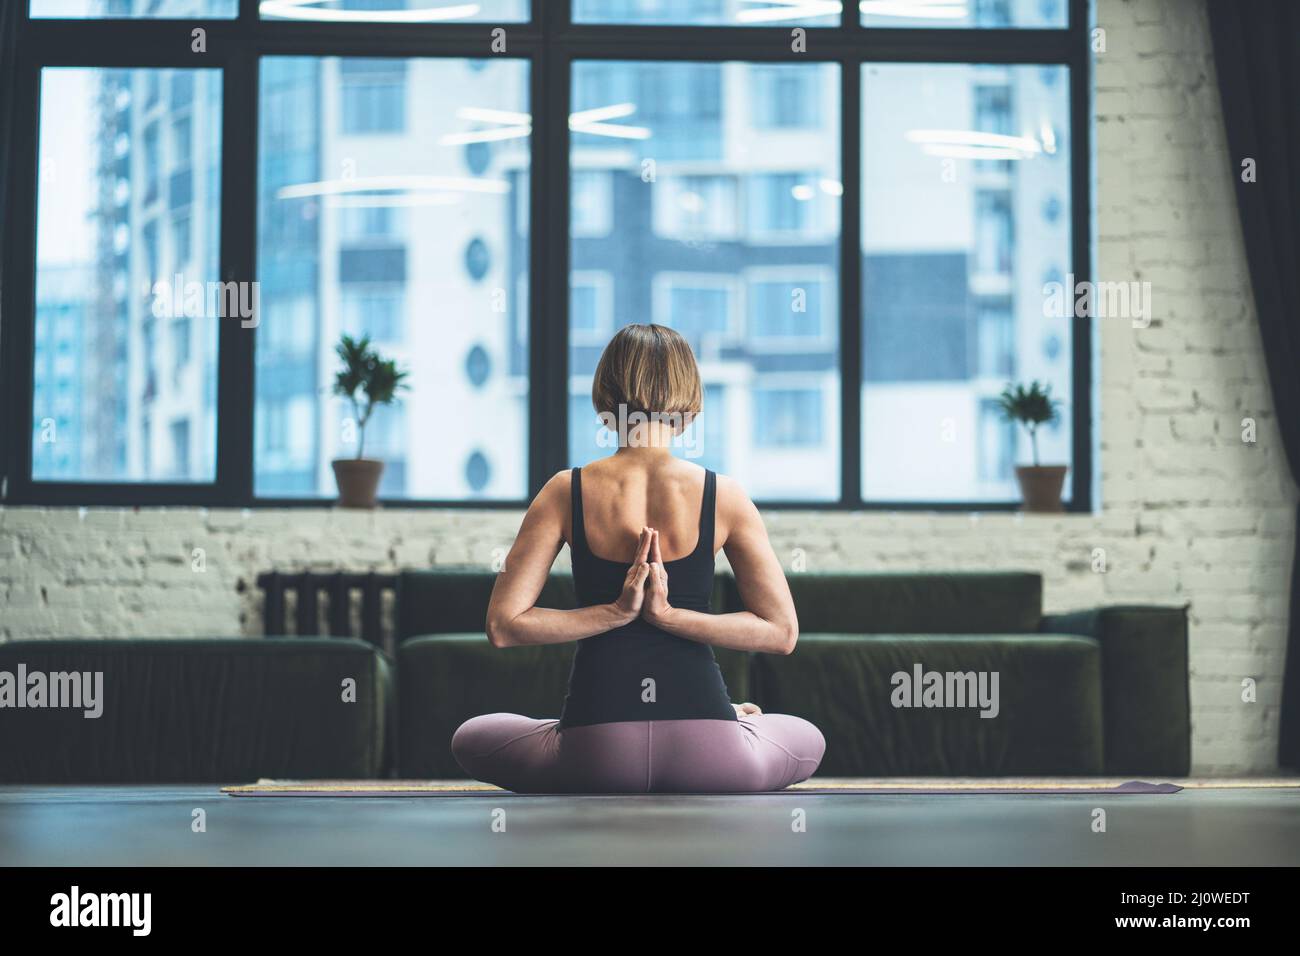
[93,826]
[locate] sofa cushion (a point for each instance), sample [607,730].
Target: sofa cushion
[448,678]
[956,603]
[1048,703]
[219,710]
[455,600]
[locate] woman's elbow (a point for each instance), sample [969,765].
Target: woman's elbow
[498,631]
[787,637]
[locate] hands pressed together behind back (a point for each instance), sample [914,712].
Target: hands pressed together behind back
[645,593]
[645,589]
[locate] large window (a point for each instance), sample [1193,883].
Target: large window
[695,216]
[852,211]
[126,341]
[965,218]
[390,217]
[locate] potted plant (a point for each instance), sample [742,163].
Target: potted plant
[1040,485]
[366,380]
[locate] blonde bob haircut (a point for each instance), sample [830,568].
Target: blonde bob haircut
[651,370]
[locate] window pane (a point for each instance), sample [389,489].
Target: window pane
[722,222]
[751,13]
[127,300]
[965,221]
[120,9]
[396,216]
[397,11]
[1041,14]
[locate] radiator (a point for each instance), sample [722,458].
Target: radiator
[306,588]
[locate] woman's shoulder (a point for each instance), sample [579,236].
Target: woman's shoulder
[731,485]
[733,501]
[560,481]
[555,493]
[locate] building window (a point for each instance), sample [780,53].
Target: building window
[181,248]
[591,213]
[375,309]
[995,233]
[787,417]
[791,309]
[784,206]
[372,94]
[781,98]
[591,306]
[362,223]
[182,143]
[697,207]
[702,307]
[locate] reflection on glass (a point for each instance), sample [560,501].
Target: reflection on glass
[127,9]
[706,198]
[754,13]
[396,11]
[951,14]
[965,219]
[398,216]
[825,13]
[126,267]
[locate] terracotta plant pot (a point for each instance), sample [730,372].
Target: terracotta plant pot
[358,480]
[1040,487]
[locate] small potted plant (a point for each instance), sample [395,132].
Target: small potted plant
[1040,485]
[367,381]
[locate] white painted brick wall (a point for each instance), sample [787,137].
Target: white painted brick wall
[1189,512]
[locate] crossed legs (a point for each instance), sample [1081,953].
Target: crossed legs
[756,753]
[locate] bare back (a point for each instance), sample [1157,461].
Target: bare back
[624,493]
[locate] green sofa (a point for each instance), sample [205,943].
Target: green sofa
[1102,691]
[182,710]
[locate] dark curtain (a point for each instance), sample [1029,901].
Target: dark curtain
[1257,55]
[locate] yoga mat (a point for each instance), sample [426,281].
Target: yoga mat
[451,788]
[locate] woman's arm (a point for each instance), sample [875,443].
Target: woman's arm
[769,624]
[512,618]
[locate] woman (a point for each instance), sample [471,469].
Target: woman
[647,709]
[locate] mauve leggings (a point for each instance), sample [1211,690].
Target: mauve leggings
[749,755]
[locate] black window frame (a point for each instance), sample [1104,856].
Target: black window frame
[550,43]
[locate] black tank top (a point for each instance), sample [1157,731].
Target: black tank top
[637,671]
